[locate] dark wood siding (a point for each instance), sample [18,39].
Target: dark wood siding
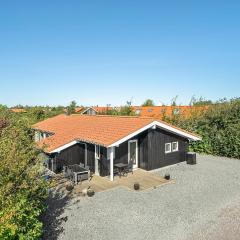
[151,149]
[71,155]
[121,153]
[75,155]
[91,156]
[143,150]
[156,149]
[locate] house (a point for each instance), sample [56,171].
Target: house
[102,140]
[169,111]
[18,110]
[94,110]
[86,110]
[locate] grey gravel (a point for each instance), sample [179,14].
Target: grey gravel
[193,207]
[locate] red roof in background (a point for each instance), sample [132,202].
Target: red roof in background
[102,109]
[169,111]
[97,109]
[18,110]
[156,111]
[79,109]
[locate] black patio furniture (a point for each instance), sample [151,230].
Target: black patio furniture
[81,164]
[76,173]
[129,168]
[122,167]
[105,168]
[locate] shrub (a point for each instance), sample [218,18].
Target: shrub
[22,190]
[219,127]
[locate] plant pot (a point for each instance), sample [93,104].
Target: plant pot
[136,186]
[69,187]
[167,176]
[90,192]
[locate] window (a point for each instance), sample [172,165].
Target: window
[150,110]
[176,111]
[138,111]
[168,147]
[174,146]
[97,151]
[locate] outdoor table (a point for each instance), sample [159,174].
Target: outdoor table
[121,168]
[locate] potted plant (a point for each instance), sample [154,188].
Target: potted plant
[69,187]
[167,176]
[90,192]
[136,186]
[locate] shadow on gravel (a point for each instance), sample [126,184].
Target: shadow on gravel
[52,220]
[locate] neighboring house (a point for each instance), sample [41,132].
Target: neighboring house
[169,111]
[86,110]
[18,110]
[102,140]
[94,110]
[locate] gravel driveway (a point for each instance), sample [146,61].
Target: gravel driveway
[203,203]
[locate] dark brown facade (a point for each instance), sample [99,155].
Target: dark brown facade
[151,149]
[151,152]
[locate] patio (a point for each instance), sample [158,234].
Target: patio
[147,180]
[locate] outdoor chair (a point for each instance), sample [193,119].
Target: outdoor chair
[129,168]
[81,164]
[115,171]
[66,172]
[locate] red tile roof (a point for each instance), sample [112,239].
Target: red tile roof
[169,111]
[98,129]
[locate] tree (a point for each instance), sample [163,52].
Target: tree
[199,101]
[148,103]
[22,189]
[71,108]
[174,101]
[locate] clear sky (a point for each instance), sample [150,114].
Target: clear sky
[99,52]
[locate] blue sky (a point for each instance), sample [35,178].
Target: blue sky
[99,52]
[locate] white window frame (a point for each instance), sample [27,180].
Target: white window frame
[175,150]
[129,142]
[138,111]
[97,151]
[170,147]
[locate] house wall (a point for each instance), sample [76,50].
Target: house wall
[151,149]
[74,155]
[156,149]
[90,111]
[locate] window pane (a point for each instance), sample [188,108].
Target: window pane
[175,146]
[168,147]
[133,152]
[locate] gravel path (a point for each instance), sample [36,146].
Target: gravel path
[203,199]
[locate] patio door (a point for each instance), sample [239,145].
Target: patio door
[133,152]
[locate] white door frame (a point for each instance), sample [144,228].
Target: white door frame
[130,141]
[97,159]
[85,154]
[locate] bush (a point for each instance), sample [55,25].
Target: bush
[22,190]
[219,127]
